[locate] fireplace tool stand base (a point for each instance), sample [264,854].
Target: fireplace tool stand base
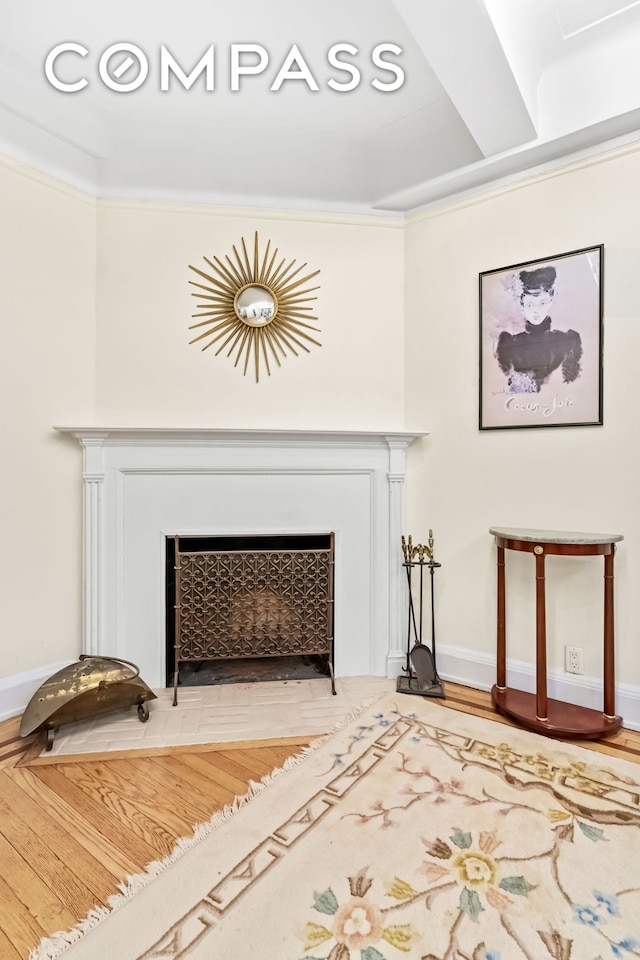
[423,679]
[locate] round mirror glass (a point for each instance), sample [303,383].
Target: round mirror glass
[255,305]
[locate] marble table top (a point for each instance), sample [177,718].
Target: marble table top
[553,536]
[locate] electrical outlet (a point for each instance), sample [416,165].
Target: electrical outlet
[573,659]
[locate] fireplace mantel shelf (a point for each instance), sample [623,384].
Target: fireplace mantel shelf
[232,437]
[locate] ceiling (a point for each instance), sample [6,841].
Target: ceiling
[484,90]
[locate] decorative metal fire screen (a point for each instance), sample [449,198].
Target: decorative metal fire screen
[239,603]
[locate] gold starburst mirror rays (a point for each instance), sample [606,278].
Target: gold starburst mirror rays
[258,306]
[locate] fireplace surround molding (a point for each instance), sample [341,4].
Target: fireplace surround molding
[142,485]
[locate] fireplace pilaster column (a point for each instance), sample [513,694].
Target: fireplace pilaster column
[397,587]
[93,478]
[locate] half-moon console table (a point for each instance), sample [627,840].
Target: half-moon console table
[535,711]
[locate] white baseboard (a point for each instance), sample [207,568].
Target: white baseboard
[17,690]
[478,670]
[456,664]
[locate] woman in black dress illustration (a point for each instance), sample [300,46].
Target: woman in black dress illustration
[529,358]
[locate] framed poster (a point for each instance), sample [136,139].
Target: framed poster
[541,342]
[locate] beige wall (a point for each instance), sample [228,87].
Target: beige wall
[47,252]
[462,480]
[149,374]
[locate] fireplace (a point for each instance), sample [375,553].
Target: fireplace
[144,485]
[238,598]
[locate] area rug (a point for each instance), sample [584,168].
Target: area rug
[414,831]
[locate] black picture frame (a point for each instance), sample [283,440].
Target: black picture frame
[541,339]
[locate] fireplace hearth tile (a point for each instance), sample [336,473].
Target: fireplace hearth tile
[223,713]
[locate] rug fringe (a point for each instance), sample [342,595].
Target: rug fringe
[52,947]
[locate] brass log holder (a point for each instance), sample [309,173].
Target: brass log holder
[420,672]
[88,688]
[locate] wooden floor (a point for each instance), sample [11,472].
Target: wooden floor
[70,831]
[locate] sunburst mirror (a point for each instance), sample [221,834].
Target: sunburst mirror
[255,306]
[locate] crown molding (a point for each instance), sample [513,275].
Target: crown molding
[252,212]
[483,193]
[46,180]
[200,209]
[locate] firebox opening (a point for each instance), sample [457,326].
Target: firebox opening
[249,608]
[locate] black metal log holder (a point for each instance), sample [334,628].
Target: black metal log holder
[421,674]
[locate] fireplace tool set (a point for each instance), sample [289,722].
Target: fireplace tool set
[421,675]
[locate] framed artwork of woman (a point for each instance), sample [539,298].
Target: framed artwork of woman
[541,342]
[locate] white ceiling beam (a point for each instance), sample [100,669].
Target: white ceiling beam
[458,39]
[529,160]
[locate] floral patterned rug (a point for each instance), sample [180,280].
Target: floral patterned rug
[415,831]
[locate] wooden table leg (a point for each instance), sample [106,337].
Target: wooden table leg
[609,654]
[541,639]
[501,647]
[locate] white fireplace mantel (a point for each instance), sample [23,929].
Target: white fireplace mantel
[144,484]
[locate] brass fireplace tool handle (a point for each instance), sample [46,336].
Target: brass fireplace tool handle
[420,551]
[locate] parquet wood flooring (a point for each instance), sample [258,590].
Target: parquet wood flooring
[70,831]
